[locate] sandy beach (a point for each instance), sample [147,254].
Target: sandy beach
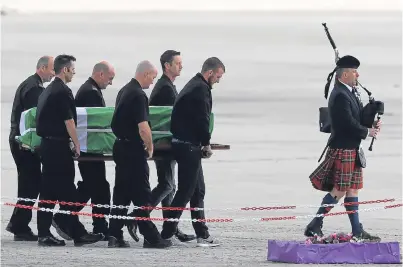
[266,108]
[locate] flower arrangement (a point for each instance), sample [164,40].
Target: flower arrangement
[334,238]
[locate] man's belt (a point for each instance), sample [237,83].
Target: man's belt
[178,141]
[56,138]
[126,140]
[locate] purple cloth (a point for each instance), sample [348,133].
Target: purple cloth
[354,253]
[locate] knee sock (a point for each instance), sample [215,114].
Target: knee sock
[354,220]
[328,199]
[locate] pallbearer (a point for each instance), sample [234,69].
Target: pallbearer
[28,163]
[94,185]
[132,148]
[56,119]
[190,124]
[164,94]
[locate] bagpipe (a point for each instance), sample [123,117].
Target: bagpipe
[371,109]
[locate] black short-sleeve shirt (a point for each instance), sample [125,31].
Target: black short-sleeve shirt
[89,95]
[26,97]
[55,106]
[131,108]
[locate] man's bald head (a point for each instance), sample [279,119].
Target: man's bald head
[103,74]
[146,73]
[102,66]
[43,62]
[144,66]
[45,68]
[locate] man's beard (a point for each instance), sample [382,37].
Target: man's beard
[210,81]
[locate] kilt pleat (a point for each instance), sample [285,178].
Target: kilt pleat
[338,170]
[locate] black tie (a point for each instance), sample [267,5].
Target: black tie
[355,93]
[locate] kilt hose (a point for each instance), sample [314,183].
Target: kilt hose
[338,170]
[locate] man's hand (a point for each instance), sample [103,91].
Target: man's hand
[373,132]
[75,144]
[377,124]
[146,136]
[77,152]
[206,152]
[149,152]
[75,148]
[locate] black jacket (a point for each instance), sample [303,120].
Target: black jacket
[190,119]
[26,97]
[164,92]
[345,117]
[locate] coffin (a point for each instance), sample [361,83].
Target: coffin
[95,134]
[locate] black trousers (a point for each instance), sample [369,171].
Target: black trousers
[132,185]
[94,186]
[29,180]
[190,188]
[58,185]
[165,190]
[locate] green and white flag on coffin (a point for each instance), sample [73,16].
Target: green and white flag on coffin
[94,128]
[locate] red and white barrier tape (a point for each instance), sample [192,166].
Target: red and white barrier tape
[222,220]
[263,208]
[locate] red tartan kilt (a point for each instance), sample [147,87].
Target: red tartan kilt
[338,170]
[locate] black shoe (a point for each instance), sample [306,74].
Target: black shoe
[29,236]
[88,238]
[184,237]
[103,231]
[50,241]
[314,228]
[364,236]
[23,236]
[162,243]
[132,229]
[64,233]
[114,242]
[106,236]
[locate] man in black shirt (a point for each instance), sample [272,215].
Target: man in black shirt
[28,163]
[132,148]
[56,123]
[94,185]
[190,123]
[164,94]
